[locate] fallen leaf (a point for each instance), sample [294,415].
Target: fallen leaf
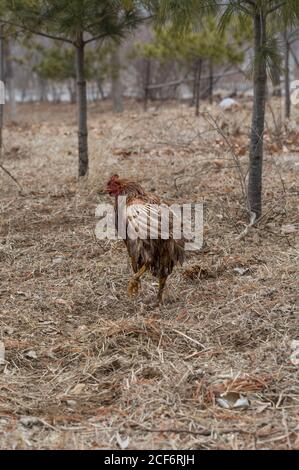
[240,152]
[61,302]
[289,228]
[78,389]
[274,148]
[233,400]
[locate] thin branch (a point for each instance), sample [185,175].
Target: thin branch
[272,10]
[179,82]
[95,38]
[244,10]
[12,177]
[293,34]
[295,39]
[242,178]
[294,57]
[39,33]
[203,432]
[248,227]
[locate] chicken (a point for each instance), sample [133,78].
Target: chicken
[147,253]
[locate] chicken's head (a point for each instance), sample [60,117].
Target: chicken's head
[114,186]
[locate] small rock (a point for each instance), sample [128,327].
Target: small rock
[29,421]
[123,443]
[71,403]
[228,103]
[241,271]
[31,355]
[242,403]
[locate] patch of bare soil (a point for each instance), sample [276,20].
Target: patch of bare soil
[85,367]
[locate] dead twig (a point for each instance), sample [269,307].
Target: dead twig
[12,177]
[203,432]
[242,178]
[248,227]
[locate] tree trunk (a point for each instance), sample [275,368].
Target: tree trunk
[101,90]
[197,87]
[193,100]
[287,78]
[82,109]
[2,91]
[211,81]
[258,117]
[72,90]
[43,95]
[276,81]
[147,83]
[116,90]
[55,93]
[10,82]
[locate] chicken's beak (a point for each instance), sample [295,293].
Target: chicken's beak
[108,191]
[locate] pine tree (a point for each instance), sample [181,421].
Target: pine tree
[79,23]
[262,14]
[58,64]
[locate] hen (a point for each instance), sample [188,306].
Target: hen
[157,255]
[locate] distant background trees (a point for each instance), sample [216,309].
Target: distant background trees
[196,53]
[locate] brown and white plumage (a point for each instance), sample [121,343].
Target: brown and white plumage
[141,212]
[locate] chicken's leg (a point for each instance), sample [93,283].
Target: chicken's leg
[162,283]
[134,283]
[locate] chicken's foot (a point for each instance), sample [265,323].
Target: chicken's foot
[134,283]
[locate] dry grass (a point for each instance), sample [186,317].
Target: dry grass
[86,367]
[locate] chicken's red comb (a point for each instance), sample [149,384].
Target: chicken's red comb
[113,178]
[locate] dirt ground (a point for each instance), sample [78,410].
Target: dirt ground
[84,366]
